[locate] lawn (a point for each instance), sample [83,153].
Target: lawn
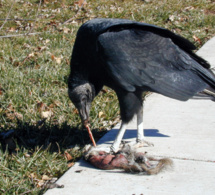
[44,135]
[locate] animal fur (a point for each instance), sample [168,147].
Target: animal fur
[128,160]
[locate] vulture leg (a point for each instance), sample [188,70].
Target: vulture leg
[140,137]
[117,141]
[140,141]
[116,144]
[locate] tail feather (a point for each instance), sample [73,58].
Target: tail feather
[209,76]
[208,93]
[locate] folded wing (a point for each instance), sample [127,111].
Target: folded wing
[136,58]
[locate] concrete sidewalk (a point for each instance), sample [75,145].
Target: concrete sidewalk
[182,131]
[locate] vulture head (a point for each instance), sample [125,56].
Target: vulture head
[82,95]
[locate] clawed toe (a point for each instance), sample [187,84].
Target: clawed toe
[140,143]
[144,143]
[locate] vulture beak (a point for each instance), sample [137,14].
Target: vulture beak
[84,112]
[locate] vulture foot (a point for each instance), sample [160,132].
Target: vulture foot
[140,143]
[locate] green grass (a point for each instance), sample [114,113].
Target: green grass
[33,80]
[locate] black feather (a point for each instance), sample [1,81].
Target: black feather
[132,57]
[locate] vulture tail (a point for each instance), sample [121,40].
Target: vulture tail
[208,93]
[208,76]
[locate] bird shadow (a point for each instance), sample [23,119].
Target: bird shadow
[129,134]
[147,133]
[46,135]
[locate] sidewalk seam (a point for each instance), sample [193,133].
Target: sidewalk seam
[181,158]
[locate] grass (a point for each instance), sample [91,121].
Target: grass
[34,105]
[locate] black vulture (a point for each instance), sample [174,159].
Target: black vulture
[131,58]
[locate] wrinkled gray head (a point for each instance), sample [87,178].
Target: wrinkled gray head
[82,96]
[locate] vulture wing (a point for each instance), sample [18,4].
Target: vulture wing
[136,58]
